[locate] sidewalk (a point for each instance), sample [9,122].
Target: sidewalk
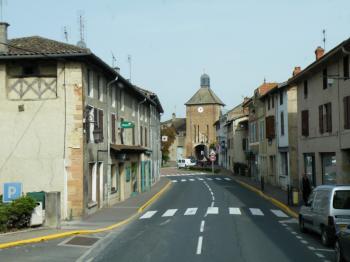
[101,219]
[269,190]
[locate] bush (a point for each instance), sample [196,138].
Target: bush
[205,169]
[16,214]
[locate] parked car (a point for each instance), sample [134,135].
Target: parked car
[328,209]
[342,245]
[185,162]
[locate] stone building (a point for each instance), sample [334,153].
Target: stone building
[65,116]
[203,109]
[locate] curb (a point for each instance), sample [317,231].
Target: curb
[274,201]
[87,231]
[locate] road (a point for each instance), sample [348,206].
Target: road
[200,218]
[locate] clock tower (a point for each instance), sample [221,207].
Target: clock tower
[202,111]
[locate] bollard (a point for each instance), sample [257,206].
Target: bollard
[295,197]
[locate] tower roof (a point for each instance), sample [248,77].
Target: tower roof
[204,95]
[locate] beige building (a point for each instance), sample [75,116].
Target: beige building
[324,116]
[202,111]
[62,110]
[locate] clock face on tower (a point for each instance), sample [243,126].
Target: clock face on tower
[200,109]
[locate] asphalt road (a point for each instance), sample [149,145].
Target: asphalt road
[200,218]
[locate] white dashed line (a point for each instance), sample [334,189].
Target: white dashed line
[191,211]
[213,210]
[199,245]
[234,211]
[148,214]
[278,213]
[319,255]
[201,229]
[169,213]
[256,212]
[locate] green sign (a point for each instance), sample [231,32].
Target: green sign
[126,124]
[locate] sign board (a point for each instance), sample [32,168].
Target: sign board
[127,124]
[212,158]
[11,191]
[164,138]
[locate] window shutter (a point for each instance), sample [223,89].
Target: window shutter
[329,117]
[100,123]
[282,123]
[346,112]
[113,129]
[305,123]
[320,118]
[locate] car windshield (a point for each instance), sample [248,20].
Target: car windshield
[341,199]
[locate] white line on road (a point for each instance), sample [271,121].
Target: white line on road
[319,255]
[169,213]
[256,212]
[234,211]
[200,179]
[304,242]
[298,237]
[191,211]
[212,204]
[218,178]
[174,181]
[311,248]
[183,180]
[210,179]
[278,213]
[191,179]
[202,226]
[199,245]
[148,214]
[213,210]
[227,179]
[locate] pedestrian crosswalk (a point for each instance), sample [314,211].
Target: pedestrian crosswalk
[234,211]
[176,180]
[185,174]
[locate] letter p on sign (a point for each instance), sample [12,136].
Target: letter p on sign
[11,191]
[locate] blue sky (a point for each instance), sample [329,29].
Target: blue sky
[238,43]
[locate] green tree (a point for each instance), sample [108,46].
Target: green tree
[170,133]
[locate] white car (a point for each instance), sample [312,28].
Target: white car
[185,162]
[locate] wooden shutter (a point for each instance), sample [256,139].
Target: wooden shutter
[305,123]
[320,118]
[346,112]
[282,124]
[329,117]
[100,123]
[113,129]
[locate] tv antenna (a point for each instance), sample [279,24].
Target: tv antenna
[129,61]
[324,39]
[65,34]
[81,42]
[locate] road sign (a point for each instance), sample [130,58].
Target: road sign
[212,158]
[11,191]
[127,124]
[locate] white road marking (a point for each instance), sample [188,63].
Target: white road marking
[304,242]
[191,179]
[191,211]
[202,226]
[256,212]
[227,179]
[183,180]
[218,178]
[174,181]
[199,245]
[278,213]
[148,214]
[298,237]
[234,211]
[294,233]
[169,213]
[311,248]
[200,178]
[212,204]
[324,250]
[213,210]
[210,179]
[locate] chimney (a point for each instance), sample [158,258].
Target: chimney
[3,37]
[319,52]
[296,70]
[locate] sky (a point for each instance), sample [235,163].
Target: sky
[172,42]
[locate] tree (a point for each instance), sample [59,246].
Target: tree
[170,133]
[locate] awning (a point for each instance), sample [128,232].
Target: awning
[129,148]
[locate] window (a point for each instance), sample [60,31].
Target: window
[90,83]
[305,123]
[30,70]
[100,88]
[268,103]
[273,101]
[141,135]
[195,133]
[305,89]
[146,138]
[281,97]
[325,78]
[346,112]
[329,166]
[122,100]
[92,182]
[309,167]
[145,111]
[325,118]
[113,121]
[341,199]
[282,124]
[245,144]
[141,112]
[346,66]
[133,104]
[261,130]
[99,124]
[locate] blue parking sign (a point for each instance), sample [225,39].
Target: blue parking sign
[11,191]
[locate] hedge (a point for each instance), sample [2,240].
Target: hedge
[17,214]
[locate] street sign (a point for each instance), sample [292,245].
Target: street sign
[212,158]
[11,191]
[164,138]
[127,124]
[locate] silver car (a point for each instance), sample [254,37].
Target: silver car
[327,211]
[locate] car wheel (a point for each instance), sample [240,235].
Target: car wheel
[338,254]
[302,225]
[325,237]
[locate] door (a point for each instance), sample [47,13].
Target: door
[121,181]
[309,167]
